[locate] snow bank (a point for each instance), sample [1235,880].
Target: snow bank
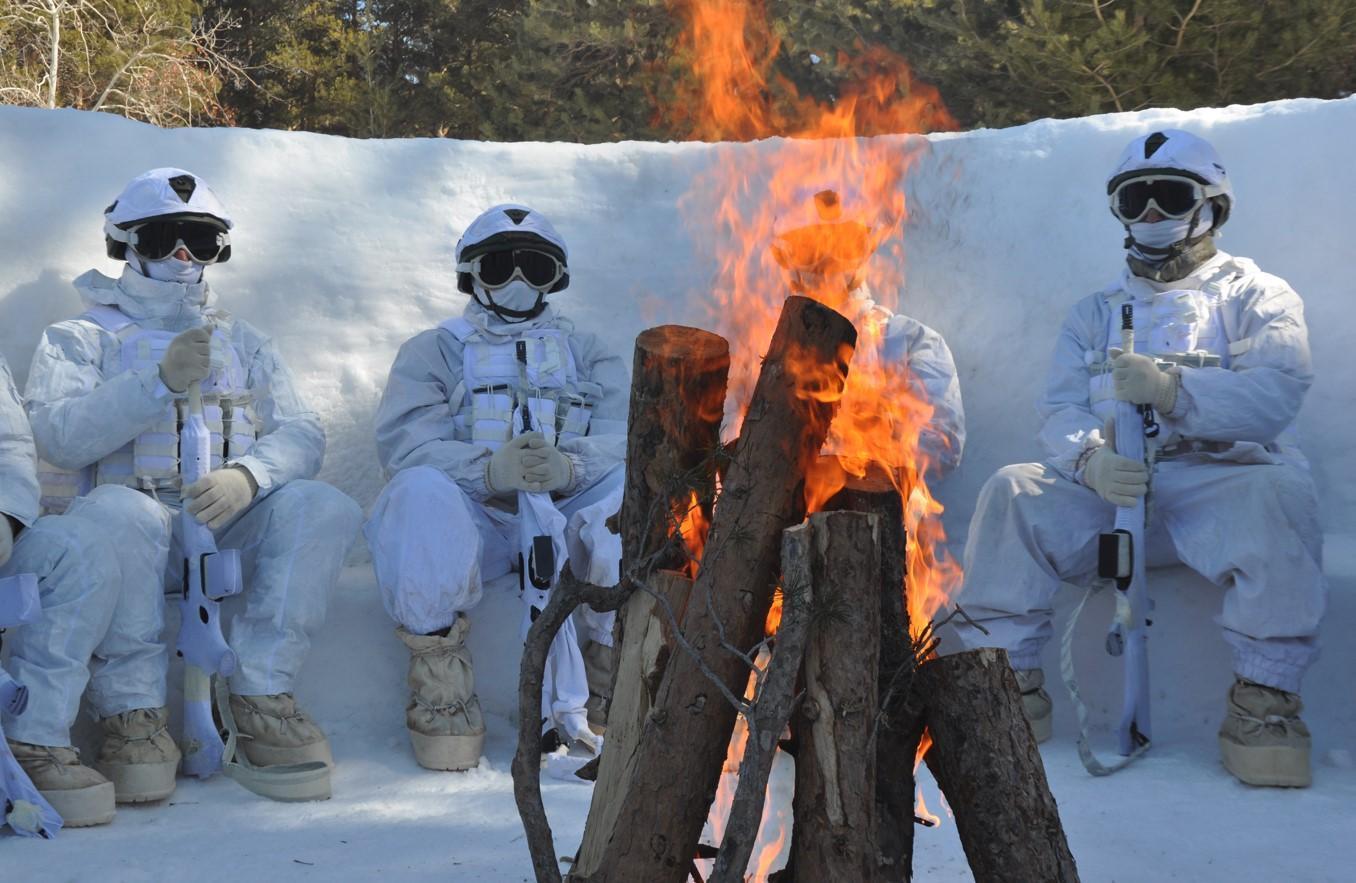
[343,250]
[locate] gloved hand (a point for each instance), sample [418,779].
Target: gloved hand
[1138,379]
[506,470]
[188,358]
[1116,479]
[220,495]
[6,539]
[546,468]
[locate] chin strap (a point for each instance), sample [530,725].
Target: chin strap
[508,315]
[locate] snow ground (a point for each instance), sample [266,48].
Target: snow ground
[343,250]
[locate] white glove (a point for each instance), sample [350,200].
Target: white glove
[1116,479]
[506,470]
[546,468]
[6,539]
[1138,379]
[220,495]
[188,358]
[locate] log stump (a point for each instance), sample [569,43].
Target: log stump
[835,800]
[678,384]
[897,726]
[986,762]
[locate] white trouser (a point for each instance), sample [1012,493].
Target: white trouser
[103,611]
[292,546]
[1251,529]
[433,547]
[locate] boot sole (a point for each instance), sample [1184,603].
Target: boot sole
[1268,766]
[84,807]
[262,755]
[448,753]
[140,782]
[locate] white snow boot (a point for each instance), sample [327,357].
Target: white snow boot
[1262,740]
[273,731]
[1035,702]
[81,796]
[598,662]
[138,756]
[443,716]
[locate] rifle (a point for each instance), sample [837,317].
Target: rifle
[209,576]
[540,560]
[1122,559]
[23,807]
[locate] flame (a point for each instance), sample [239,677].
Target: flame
[920,807]
[692,528]
[818,212]
[774,829]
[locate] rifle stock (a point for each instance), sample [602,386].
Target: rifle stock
[22,806]
[209,575]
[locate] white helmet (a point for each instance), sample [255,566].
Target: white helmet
[823,232]
[166,194]
[509,259]
[1175,152]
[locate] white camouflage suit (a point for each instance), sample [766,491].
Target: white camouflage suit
[90,632]
[1230,495]
[896,339]
[437,533]
[99,407]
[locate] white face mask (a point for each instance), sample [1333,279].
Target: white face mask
[172,269]
[1170,231]
[517,295]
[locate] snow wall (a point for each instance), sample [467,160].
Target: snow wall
[343,249]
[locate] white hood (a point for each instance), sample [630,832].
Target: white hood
[167,305]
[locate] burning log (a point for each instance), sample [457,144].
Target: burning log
[772,708]
[677,400]
[835,802]
[986,762]
[897,726]
[680,754]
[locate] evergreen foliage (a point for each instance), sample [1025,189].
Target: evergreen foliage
[604,70]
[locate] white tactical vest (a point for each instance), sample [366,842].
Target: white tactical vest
[1180,326]
[151,460]
[531,379]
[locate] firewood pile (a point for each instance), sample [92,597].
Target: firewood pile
[710,533]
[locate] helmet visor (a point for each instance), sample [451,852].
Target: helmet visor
[157,240]
[1173,197]
[496,269]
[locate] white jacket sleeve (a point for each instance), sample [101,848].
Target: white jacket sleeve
[604,448]
[1068,425]
[18,462]
[908,341]
[1260,395]
[77,417]
[291,443]
[415,424]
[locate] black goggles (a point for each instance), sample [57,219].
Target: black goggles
[495,269]
[157,240]
[1173,196]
